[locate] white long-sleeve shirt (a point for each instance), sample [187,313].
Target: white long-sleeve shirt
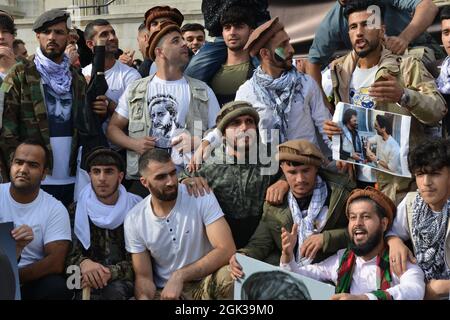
[410,286]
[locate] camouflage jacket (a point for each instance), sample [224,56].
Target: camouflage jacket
[265,244]
[107,248]
[240,190]
[25,113]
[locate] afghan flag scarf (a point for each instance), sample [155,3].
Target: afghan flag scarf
[345,274]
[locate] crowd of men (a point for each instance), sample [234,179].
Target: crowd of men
[224,147]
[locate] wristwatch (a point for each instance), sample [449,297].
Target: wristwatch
[404,100]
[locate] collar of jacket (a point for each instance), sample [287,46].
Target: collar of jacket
[342,70]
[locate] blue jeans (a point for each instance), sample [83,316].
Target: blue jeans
[209,59]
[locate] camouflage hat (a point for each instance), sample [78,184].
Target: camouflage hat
[232,110]
[160,31]
[172,14]
[50,18]
[301,151]
[380,198]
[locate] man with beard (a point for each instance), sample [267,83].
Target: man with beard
[118,75]
[99,245]
[287,101]
[424,218]
[387,154]
[237,25]
[406,25]
[392,83]
[351,144]
[194,102]
[236,173]
[175,239]
[362,271]
[28,113]
[41,266]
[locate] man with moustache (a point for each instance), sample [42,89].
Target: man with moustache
[351,144]
[424,219]
[99,243]
[373,77]
[177,242]
[37,94]
[362,271]
[36,213]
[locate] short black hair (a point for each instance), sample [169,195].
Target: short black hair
[274,285]
[430,155]
[192,27]
[158,155]
[17,42]
[445,13]
[38,143]
[385,123]
[105,157]
[142,27]
[7,24]
[362,5]
[237,15]
[348,114]
[89,32]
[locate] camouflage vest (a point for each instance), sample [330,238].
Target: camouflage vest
[140,124]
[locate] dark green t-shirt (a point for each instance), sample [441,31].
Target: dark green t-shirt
[227,81]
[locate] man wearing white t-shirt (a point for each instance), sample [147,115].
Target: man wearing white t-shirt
[24,203]
[177,241]
[118,75]
[387,156]
[156,109]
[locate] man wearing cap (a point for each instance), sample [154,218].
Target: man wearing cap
[423,217]
[156,109]
[99,243]
[42,97]
[152,20]
[371,76]
[315,202]
[286,100]
[362,271]
[236,172]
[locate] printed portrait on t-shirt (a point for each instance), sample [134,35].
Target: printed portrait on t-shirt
[361,97]
[163,114]
[59,109]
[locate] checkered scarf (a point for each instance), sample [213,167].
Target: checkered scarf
[278,95]
[311,220]
[429,230]
[443,81]
[57,76]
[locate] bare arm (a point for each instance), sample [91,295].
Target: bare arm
[314,70]
[423,17]
[219,235]
[53,263]
[144,287]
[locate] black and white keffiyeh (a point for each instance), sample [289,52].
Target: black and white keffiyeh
[429,230]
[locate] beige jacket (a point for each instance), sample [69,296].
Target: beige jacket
[426,106]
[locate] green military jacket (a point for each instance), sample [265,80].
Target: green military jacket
[265,244]
[25,113]
[107,248]
[240,190]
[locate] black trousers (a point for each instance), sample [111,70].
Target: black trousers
[51,287]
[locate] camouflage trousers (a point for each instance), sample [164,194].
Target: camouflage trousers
[216,286]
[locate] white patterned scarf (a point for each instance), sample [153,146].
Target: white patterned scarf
[443,81]
[101,215]
[313,219]
[57,76]
[429,230]
[278,94]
